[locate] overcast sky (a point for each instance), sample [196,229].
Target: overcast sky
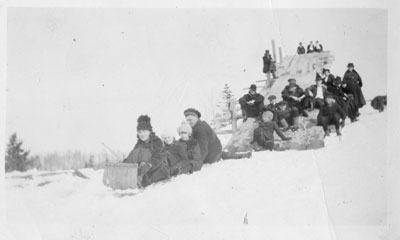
[79,77]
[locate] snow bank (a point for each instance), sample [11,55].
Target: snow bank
[333,193]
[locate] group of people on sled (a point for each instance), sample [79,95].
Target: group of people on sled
[159,158]
[336,99]
[317,47]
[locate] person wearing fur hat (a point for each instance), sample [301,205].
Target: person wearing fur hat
[210,146]
[263,137]
[287,117]
[176,152]
[352,84]
[251,103]
[331,113]
[193,162]
[148,153]
[294,95]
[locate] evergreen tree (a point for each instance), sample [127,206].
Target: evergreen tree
[224,114]
[16,156]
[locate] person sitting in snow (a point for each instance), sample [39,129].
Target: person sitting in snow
[176,152]
[328,78]
[148,153]
[301,49]
[315,95]
[210,145]
[251,103]
[310,47]
[263,137]
[331,113]
[318,47]
[192,149]
[287,117]
[294,95]
[271,106]
[344,100]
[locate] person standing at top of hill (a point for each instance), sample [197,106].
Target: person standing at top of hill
[301,49]
[210,145]
[318,47]
[251,103]
[352,84]
[310,47]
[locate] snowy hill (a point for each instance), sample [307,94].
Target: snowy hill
[337,192]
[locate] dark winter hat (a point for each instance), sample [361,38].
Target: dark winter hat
[283,103]
[192,111]
[271,97]
[253,87]
[350,65]
[291,80]
[325,70]
[144,123]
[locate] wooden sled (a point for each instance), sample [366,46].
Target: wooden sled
[121,175]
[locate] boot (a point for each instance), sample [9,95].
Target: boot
[327,133]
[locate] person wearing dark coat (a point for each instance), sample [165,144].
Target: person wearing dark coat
[310,48]
[294,95]
[251,103]
[272,107]
[301,49]
[331,113]
[266,62]
[318,47]
[210,145]
[379,103]
[342,99]
[352,84]
[328,77]
[315,95]
[263,137]
[193,161]
[149,154]
[287,117]
[176,152]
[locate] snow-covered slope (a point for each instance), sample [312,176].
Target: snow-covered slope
[337,192]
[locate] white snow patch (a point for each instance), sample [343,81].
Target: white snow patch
[337,192]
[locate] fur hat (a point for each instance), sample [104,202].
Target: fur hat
[144,123]
[185,127]
[325,70]
[192,111]
[253,87]
[350,65]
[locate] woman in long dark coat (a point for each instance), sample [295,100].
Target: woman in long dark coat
[352,84]
[148,153]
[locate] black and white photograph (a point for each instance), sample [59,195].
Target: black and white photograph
[263,121]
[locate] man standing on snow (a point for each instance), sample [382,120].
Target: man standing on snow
[210,146]
[251,103]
